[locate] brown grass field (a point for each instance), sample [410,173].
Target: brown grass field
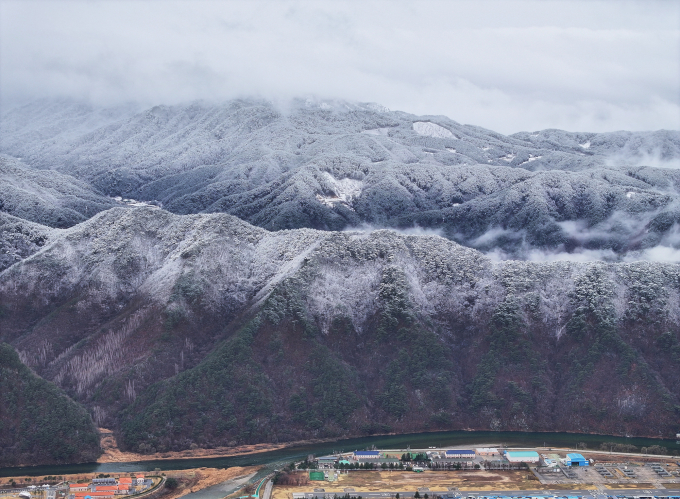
[625,486]
[374,481]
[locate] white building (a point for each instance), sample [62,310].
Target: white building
[523,456]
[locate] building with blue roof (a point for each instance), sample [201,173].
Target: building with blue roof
[575,459]
[366,454]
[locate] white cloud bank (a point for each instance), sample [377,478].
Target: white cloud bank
[505,65]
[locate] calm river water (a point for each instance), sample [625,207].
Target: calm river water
[277,458]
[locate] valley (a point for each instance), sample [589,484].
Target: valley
[329,273]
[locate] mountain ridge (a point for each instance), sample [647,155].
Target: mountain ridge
[337,270]
[293,169]
[381,331]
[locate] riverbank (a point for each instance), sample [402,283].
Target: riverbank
[115,461]
[190,482]
[112,454]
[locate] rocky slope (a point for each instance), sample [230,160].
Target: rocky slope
[205,329]
[334,165]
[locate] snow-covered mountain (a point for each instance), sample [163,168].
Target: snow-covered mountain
[277,336]
[334,165]
[280,331]
[47,197]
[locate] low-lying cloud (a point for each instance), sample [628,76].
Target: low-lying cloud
[505,65]
[622,237]
[655,159]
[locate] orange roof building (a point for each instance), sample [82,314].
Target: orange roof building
[125,480]
[98,493]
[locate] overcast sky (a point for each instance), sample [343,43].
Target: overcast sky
[504,65]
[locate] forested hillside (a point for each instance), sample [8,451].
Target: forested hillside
[38,422]
[220,274]
[202,329]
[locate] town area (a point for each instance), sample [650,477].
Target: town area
[100,487]
[483,472]
[479,473]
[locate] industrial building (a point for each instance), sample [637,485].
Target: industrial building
[575,459]
[367,454]
[327,461]
[459,453]
[522,456]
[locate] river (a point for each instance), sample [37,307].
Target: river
[272,459]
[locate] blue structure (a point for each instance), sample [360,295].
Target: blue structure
[367,454]
[574,459]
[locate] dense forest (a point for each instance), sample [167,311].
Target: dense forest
[38,422]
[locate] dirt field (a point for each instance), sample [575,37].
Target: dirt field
[631,486]
[373,481]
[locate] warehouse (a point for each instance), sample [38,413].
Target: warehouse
[522,456]
[575,459]
[459,453]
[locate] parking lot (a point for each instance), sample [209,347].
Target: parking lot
[611,474]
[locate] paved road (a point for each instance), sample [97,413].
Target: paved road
[267,490]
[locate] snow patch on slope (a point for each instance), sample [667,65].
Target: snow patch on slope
[432,130]
[530,159]
[345,190]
